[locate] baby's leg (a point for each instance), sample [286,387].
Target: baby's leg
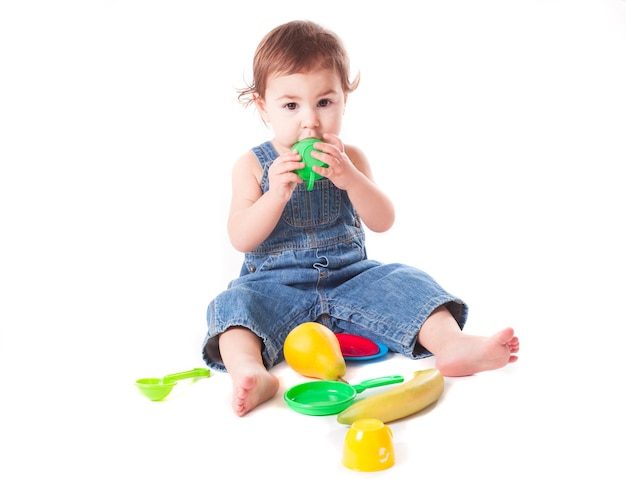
[252,383]
[460,354]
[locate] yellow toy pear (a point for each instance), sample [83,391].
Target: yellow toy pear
[313,350]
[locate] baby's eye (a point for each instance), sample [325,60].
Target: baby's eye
[291,106]
[324,102]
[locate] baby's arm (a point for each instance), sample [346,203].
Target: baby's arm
[373,205]
[349,170]
[253,215]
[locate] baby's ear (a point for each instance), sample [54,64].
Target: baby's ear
[259,103]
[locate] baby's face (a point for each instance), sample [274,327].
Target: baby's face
[303,105]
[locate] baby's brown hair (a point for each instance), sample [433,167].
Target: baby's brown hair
[297,47]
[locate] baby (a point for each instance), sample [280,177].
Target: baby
[305,257]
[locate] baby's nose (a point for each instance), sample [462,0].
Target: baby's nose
[310,120]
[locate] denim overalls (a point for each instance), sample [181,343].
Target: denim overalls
[314,267]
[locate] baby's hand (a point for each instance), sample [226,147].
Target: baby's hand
[281,175]
[341,171]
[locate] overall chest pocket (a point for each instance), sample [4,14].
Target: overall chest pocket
[317,207]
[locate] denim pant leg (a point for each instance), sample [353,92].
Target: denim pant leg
[389,303]
[268,309]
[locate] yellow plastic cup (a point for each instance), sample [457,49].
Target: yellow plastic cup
[368,446]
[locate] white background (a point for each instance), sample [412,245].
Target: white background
[497,127]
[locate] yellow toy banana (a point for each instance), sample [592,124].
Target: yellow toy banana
[421,391]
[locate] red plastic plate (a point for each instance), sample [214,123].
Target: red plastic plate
[353,346]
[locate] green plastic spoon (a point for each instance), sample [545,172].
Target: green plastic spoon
[157,389]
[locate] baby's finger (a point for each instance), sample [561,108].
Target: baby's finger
[334,140]
[296,165]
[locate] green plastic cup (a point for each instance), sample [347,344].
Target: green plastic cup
[304,149]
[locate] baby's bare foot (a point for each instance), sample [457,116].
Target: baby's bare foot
[468,355]
[252,390]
